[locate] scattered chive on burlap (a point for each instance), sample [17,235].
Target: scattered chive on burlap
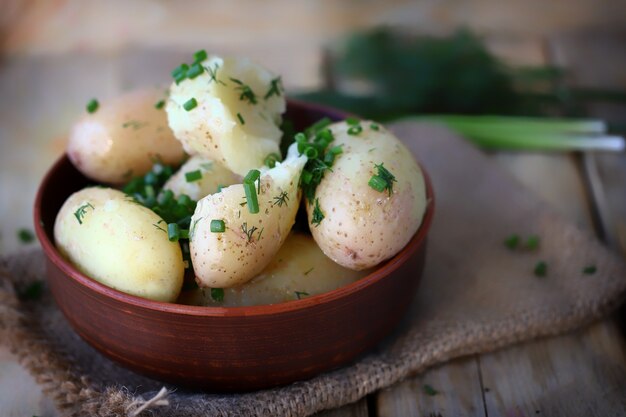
[477,295]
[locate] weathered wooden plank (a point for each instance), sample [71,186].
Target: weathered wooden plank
[458,393]
[358,409]
[579,374]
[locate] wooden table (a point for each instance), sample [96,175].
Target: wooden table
[583,373]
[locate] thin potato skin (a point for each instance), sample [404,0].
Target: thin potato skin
[298,270]
[123,138]
[119,243]
[363,227]
[251,240]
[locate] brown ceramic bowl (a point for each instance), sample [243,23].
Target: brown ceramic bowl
[235,348]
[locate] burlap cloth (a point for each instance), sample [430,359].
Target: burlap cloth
[476,296]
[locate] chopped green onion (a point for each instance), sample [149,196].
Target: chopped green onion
[159,104]
[173,232]
[165,197]
[181,69]
[271,159]
[541,269]
[217,294]
[355,130]
[195,70]
[300,137]
[252,176]
[184,234]
[590,270]
[336,150]
[532,242]
[374,126]
[25,236]
[352,121]
[512,241]
[193,176]
[311,152]
[92,106]
[251,197]
[218,226]
[185,200]
[306,177]
[329,158]
[317,126]
[200,56]
[240,117]
[190,104]
[377,183]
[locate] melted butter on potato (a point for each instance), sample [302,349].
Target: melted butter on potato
[237,117]
[250,241]
[122,138]
[119,243]
[298,270]
[362,226]
[213,175]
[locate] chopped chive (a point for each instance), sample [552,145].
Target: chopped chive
[374,126]
[590,270]
[317,126]
[195,70]
[25,236]
[243,122]
[92,106]
[159,104]
[217,294]
[173,232]
[336,150]
[181,69]
[200,56]
[329,158]
[218,226]
[300,137]
[541,269]
[193,176]
[355,130]
[352,121]
[184,234]
[306,177]
[429,390]
[220,187]
[311,152]
[252,176]
[251,197]
[186,201]
[271,159]
[512,241]
[377,183]
[532,242]
[190,104]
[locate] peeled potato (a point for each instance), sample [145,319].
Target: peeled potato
[119,243]
[362,226]
[298,270]
[123,137]
[236,121]
[249,241]
[213,175]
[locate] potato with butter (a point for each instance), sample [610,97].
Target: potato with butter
[249,240]
[299,270]
[212,176]
[116,241]
[123,137]
[231,112]
[362,225]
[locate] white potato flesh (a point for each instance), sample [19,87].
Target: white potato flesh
[119,243]
[226,126]
[362,226]
[298,270]
[123,137]
[250,241]
[213,175]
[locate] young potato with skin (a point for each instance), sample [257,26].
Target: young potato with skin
[213,173]
[362,226]
[119,243]
[250,241]
[299,269]
[122,138]
[236,129]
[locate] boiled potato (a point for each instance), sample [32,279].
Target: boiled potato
[237,116]
[119,243]
[213,175]
[123,137]
[298,270]
[362,226]
[249,241]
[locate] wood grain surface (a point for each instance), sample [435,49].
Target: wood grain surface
[103,48]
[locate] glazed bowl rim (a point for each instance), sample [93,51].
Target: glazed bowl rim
[382,270]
